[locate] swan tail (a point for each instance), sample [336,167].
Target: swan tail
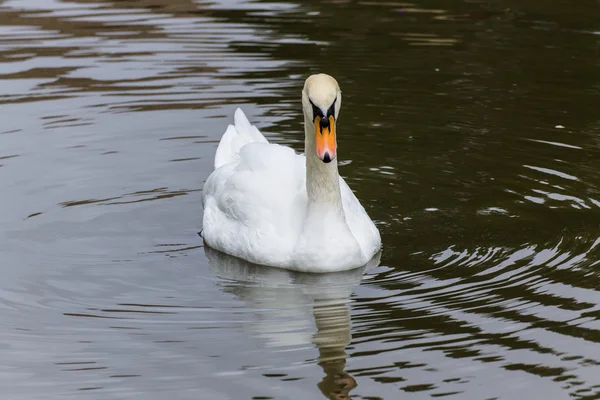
[235,137]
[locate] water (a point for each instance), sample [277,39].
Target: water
[469,131]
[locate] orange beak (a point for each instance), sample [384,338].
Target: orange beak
[326,145]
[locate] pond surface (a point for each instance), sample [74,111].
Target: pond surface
[470,130]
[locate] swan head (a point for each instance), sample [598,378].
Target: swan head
[321,101]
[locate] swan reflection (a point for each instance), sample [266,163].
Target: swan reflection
[295,308]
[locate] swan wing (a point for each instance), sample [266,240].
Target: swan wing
[254,205]
[362,227]
[235,137]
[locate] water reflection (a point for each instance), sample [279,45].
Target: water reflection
[295,308]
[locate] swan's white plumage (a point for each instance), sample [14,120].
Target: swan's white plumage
[256,207]
[235,137]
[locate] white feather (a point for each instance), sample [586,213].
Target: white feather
[235,137]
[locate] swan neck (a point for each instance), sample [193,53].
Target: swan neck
[322,179]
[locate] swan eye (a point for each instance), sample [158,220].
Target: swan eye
[318,113]
[316,110]
[331,110]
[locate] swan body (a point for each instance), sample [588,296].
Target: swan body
[268,205]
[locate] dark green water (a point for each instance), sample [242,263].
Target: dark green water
[469,130]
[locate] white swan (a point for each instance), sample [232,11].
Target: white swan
[268,205]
